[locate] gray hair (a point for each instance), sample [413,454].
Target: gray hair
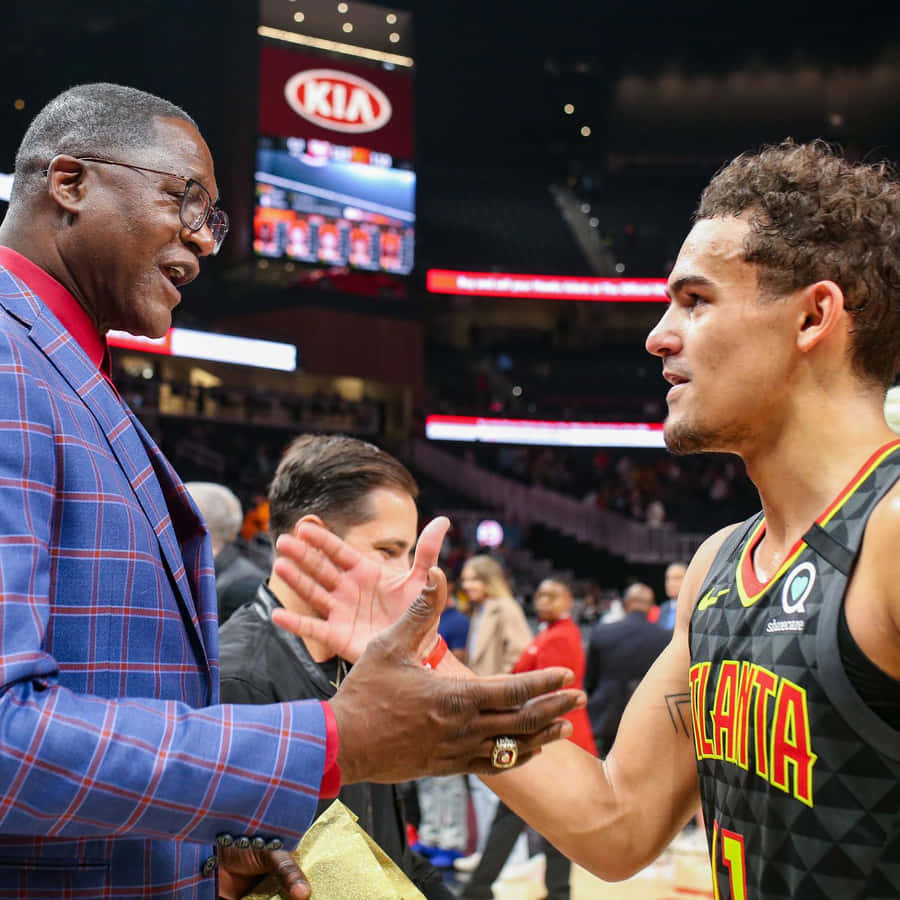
[89,120]
[220,508]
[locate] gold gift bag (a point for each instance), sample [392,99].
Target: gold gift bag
[341,862]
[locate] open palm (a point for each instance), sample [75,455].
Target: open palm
[356,597]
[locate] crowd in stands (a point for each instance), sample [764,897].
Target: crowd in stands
[529,378]
[251,404]
[695,494]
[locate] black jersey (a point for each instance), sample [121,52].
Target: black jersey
[800,780]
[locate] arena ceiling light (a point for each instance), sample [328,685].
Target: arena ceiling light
[307,40]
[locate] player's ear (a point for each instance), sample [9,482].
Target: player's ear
[821,312]
[316,520]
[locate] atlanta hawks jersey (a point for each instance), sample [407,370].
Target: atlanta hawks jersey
[800,779]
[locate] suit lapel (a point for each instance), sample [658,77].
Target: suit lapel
[127,439]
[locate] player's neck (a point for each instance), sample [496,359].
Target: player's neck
[810,462]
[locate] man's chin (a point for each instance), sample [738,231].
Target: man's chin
[682,439]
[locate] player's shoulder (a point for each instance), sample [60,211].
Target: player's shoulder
[698,569]
[883,529]
[707,551]
[877,571]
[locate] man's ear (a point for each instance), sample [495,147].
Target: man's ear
[66,182]
[316,520]
[821,313]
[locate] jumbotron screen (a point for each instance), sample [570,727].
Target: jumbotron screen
[335,205]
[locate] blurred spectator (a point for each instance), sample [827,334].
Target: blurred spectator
[665,616]
[237,577]
[498,633]
[618,657]
[443,834]
[558,643]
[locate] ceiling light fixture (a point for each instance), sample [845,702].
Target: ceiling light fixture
[306,40]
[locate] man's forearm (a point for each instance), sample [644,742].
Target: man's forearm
[613,816]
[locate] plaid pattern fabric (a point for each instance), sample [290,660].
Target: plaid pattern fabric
[117,769]
[800,780]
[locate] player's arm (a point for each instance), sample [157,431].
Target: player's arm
[614,816]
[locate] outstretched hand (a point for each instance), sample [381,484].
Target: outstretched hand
[398,720]
[355,595]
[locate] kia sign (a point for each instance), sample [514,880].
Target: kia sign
[303,96]
[337,100]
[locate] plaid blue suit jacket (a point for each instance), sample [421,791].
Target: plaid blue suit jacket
[117,768]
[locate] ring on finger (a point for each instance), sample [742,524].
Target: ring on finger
[505,754]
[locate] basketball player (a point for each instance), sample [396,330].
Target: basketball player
[777,701]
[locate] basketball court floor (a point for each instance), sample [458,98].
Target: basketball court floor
[681,873]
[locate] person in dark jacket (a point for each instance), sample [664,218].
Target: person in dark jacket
[619,655]
[368,498]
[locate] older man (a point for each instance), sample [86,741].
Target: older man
[121,773]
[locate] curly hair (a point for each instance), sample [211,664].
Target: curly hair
[815,216]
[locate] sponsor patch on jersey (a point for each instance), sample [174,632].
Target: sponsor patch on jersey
[797,586]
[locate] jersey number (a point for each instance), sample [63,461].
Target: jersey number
[735,861]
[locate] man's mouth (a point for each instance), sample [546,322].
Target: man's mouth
[177,274]
[674,378]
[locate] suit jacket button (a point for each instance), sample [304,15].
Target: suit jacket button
[209,866]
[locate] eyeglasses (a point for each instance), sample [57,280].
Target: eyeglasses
[196,208]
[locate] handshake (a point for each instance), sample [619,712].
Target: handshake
[397,719]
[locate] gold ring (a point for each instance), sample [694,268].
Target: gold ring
[506,753]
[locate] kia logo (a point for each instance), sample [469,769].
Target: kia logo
[337,100]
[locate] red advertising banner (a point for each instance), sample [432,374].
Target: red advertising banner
[547,287]
[309,96]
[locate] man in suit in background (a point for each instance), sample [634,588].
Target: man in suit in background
[619,655]
[121,774]
[665,612]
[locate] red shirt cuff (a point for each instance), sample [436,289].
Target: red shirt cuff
[331,771]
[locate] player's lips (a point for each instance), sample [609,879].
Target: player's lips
[676,380]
